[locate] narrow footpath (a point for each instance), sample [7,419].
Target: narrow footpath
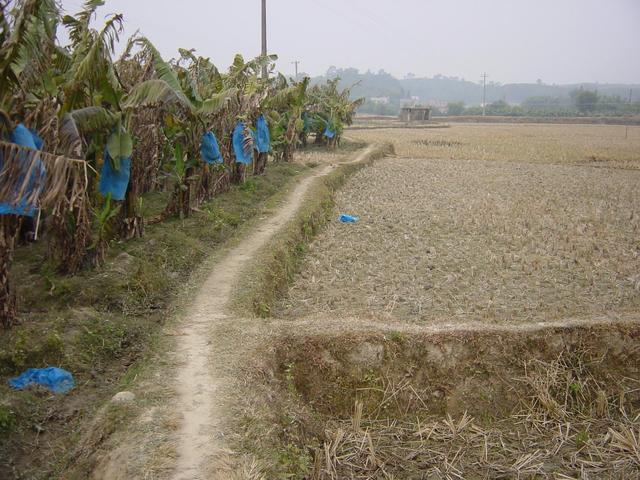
[201,373]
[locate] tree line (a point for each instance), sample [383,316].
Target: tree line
[579,102]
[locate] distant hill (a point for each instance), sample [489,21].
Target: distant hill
[439,90]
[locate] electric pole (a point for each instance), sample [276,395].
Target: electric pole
[296,62]
[264,37]
[484,93]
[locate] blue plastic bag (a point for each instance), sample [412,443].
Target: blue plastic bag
[242,156]
[25,137]
[55,379]
[209,149]
[37,140]
[114,181]
[22,136]
[344,218]
[329,132]
[262,137]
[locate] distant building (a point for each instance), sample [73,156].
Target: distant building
[380,100]
[415,114]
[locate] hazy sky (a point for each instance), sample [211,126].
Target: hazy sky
[558,41]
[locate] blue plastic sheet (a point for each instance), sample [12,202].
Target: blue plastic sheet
[209,149]
[21,135]
[262,138]
[329,132]
[113,181]
[55,379]
[38,142]
[344,218]
[242,156]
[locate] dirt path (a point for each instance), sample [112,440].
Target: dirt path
[201,375]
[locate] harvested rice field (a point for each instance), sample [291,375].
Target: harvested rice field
[614,146]
[480,320]
[486,241]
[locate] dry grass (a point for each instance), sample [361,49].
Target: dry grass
[595,145]
[319,154]
[566,428]
[514,407]
[476,240]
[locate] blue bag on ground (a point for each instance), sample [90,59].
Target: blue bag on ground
[114,181]
[209,149]
[242,156]
[24,137]
[55,379]
[348,218]
[262,138]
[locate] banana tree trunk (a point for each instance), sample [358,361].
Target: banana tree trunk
[130,223]
[70,232]
[260,163]
[239,173]
[9,225]
[287,153]
[184,195]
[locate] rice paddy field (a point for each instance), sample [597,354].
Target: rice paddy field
[489,224]
[480,320]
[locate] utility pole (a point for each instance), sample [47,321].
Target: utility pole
[296,62]
[264,37]
[484,93]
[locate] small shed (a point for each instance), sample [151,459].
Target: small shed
[415,114]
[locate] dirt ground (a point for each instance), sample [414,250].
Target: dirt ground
[473,240]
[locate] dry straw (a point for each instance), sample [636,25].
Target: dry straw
[39,179]
[559,431]
[33,179]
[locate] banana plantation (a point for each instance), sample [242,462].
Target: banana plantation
[88,128]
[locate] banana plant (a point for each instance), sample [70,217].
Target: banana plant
[103,221]
[287,103]
[198,99]
[330,110]
[27,36]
